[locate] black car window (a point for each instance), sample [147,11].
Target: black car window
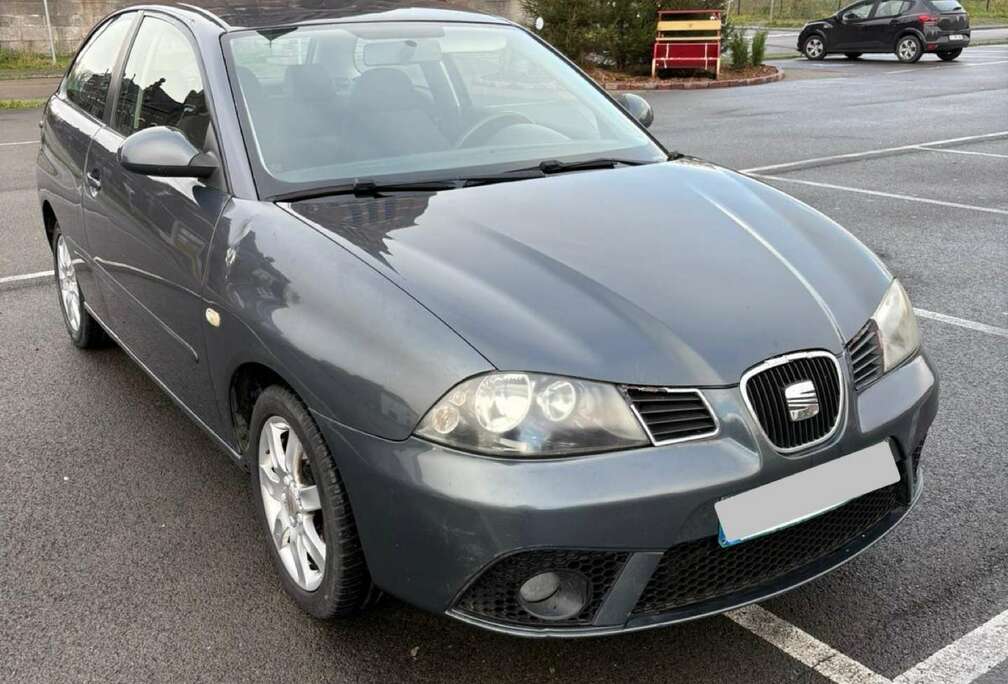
[946,5]
[890,8]
[87,84]
[162,85]
[859,11]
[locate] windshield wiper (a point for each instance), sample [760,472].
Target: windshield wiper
[551,166]
[363,187]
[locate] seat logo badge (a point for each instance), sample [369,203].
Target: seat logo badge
[802,401]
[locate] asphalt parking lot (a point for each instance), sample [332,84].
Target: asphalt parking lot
[130,550]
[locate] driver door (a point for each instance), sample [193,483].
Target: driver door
[850,34]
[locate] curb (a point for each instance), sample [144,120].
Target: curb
[698,84]
[29,280]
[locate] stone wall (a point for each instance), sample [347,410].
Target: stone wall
[23,27]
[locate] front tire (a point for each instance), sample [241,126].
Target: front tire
[302,504]
[814,47]
[84,330]
[949,55]
[909,49]
[853,55]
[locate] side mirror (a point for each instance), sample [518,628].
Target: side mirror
[164,151]
[638,107]
[850,16]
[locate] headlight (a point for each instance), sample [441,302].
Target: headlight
[528,414]
[897,326]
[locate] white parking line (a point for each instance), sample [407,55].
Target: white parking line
[879,193]
[950,151]
[962,322]
[24,279]
[20,142]
[975,64]
[965,659]
[804,647]
[871,153]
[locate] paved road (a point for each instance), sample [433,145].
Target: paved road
[785,41]
[129,549]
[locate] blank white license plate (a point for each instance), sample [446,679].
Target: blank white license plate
[798,497]
[957,36]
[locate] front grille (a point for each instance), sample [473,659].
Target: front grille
[670,414]
[494,595]
[865,352]
[764,388]
[701,570]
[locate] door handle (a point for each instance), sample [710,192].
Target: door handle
[94,181]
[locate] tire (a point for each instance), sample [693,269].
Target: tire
[85,332]
[314,519]
[909,49]
[853,55]
[814,47]
[949,55]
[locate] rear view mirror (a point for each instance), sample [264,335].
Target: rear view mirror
[164,151]
[638,107]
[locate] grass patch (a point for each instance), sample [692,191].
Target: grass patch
[18,64]
[20,104]
[795,13]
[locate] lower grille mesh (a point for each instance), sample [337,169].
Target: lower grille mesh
[700,570]
[494,596]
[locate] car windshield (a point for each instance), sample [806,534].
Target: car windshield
[333,103]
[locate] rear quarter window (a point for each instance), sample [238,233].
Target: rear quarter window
[946,5]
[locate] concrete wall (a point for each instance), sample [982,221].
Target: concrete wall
[22,22]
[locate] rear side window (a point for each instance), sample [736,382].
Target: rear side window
[162,85]
[87,83]
[891,8]
[946,5]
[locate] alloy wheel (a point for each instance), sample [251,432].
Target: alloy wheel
[907,49]
[814,48]
[292,503]
[69,291]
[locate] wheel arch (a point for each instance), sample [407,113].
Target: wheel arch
[910,31]
[247,382]
[48,221]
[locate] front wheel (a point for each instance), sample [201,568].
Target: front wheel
[949,55]
[908,49]
[84,330]
[814,48]
[303,505]
[852,55]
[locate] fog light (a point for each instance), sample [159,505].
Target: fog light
[554,595]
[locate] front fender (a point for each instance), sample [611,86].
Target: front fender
[356,348]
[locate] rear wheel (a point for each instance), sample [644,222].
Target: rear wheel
[303,505]
[814,48]
[908,49]
[853,55]
[84,330]
[949,55]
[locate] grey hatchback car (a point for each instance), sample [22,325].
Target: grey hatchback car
[479,340]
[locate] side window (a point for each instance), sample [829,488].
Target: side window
[889,8]
[87,84]
[859,11]
[162,85]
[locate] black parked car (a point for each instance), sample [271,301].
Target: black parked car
[908,28]
[480,341]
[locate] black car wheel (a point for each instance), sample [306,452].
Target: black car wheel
[302,503]
[84,330]
[908,49]
[853,55]
[814,48]
[949,55]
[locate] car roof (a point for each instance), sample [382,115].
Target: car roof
[257,14]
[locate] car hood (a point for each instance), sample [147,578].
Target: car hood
[679,273]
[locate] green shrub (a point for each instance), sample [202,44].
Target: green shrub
[739,51]
[758,48]
[611,33]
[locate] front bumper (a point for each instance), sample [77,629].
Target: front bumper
[435,523]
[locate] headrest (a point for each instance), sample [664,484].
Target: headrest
[385,89]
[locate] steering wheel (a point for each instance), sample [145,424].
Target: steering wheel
[483,129]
